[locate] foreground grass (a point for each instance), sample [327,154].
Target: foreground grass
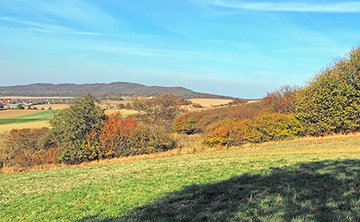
[310,179]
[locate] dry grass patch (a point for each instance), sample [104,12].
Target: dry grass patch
[53,106]
[124,112]
[15,113]
[7,127]
[210,102]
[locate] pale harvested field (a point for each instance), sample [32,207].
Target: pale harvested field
[15,113]
[7,127]
[124,112]
[211,102]
[53,106]
[35,97]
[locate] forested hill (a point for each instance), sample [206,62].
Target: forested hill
[101,90]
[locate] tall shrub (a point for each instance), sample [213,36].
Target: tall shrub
[75,130]
[331,100]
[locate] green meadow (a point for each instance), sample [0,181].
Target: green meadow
[36,117]
[302,180]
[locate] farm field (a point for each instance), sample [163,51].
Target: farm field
[210,102]
[36,119]
[53,106]
[7,127]
[14,113]
[124,112]
[305,179]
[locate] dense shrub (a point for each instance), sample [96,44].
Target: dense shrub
[265,127]
[198,121]
[276,126]
[150,139]
[331,101]
[117,134]
[122,137]
[23,148]
[187,123]
[76,130]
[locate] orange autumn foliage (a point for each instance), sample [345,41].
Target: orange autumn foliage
[116,133]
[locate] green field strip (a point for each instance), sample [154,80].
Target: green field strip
[36,117]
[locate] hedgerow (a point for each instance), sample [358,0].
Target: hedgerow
[263,128]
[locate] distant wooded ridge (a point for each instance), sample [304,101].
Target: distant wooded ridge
[101,90]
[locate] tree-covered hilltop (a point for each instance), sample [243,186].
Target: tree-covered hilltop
[101,90]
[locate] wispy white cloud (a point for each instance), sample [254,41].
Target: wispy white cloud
[329,7]
[57,29]
[77,12]
[37,25]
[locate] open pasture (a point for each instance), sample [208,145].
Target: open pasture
[267,182]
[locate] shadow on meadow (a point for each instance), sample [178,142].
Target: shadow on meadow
[320,191]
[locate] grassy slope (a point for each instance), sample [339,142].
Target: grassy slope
[235,184]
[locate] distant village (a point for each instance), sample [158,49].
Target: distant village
[31,102]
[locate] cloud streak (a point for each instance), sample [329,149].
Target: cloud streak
[331,7]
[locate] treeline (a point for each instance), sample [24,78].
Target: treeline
[329,103]
[82,133]
[115,89]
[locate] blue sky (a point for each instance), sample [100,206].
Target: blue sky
[237,48]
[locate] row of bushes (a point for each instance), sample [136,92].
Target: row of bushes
[23,148]
[81,133]
[263,128]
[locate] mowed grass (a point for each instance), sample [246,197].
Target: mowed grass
[302,180]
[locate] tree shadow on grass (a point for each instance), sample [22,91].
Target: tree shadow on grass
[319,191]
